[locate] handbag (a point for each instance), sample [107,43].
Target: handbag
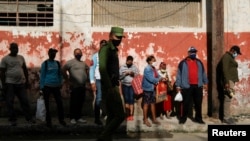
[178,97]
[137,84]
[40,109]
[161,92]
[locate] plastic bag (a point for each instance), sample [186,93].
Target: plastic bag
[178,97]
[40,109]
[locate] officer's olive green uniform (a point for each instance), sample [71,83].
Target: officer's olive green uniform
[109,70]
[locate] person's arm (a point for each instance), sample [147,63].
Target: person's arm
[26,73]
[225,68]
[2,71]
[92,69]
[123,72]
[150,77]
[64,72]
[103,62]
[42,75]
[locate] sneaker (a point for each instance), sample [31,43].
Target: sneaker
[82,120]
[73,121]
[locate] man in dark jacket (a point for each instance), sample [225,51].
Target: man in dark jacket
[227,75]
[109,71]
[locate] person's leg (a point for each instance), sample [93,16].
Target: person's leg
[125,92]
[116,115]
[80,94]
[46,95]
[98,101]
[10,96]
[146,102]
[131,101]
[58,99]
[227,103]
[24,102]
[73,98]
[198,96]
[185,105]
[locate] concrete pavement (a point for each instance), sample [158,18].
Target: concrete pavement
[169,129]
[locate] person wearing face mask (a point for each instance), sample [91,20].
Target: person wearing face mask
[127,73]
[109,71]
[51,83]
[191,79]
[226,77]
[95,81]
[164,107]
[150,79]
[14,78]
[75,74]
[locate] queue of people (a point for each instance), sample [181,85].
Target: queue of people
[107,78]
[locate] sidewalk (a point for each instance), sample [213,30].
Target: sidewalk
[136,126]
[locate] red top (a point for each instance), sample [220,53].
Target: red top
[192,71]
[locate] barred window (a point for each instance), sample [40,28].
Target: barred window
[26,13]
[147,13]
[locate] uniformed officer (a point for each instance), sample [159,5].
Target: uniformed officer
[109,70]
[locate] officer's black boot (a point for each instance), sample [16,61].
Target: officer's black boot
[97,115]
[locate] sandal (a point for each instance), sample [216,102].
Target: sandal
[156,122]
[147,123]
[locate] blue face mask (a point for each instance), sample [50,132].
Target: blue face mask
[235,54]
[192,55]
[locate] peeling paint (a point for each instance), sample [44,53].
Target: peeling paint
[170,48]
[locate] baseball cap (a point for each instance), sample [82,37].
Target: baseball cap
[236,48]
[118,31]
[192,49]
[52,50]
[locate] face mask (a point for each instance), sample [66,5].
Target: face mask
[235,54]
[154,64]
[52,56]
[129,65]
[13,51]
[163,71]
[78,56]
[116,42]
[192,55]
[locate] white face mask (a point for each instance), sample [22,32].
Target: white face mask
[235,54]
[154,64]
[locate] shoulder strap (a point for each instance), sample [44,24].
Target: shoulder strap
[58,64]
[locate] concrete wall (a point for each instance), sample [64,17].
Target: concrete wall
[72,29]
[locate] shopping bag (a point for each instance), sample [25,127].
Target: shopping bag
[161,92]
[40,109]
[178,97]
[137,84]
